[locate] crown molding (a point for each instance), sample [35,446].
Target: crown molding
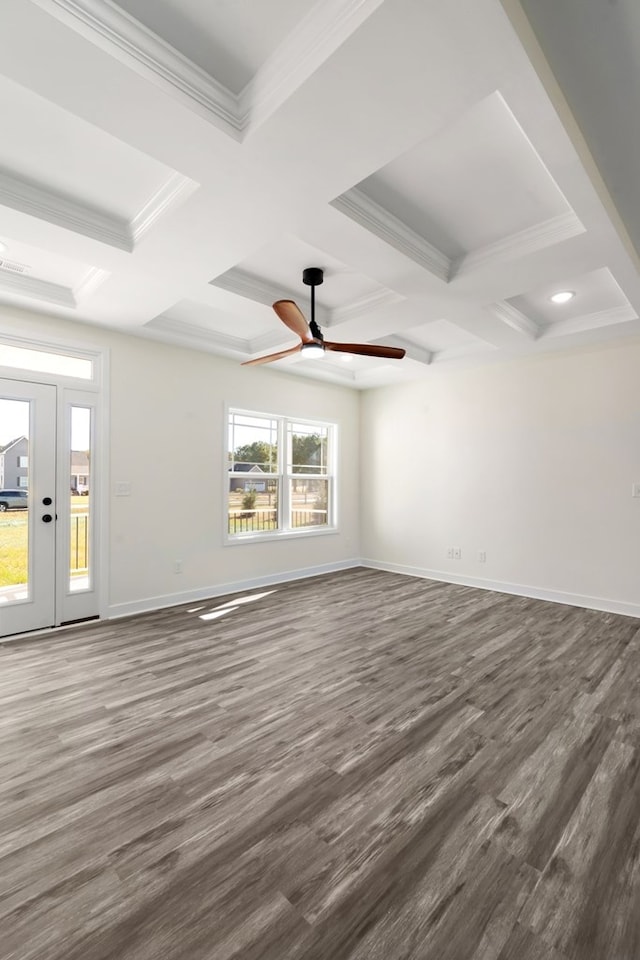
[364,306]
[296,58]
[36,201]
[29,198]
[414,350]
[462,351]
[320,368]
[311,42]
[269,341]
[112,29]
[515,319]
[89,283]
[542,235]
[191,335]
[34,289]
[591,321]
[359,207]
[245,284]
[175,190]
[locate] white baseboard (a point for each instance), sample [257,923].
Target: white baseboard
[520,590]
[223,589]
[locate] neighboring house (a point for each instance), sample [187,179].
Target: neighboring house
[80,471]
[14,464]
[238,484]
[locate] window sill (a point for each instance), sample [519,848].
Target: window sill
[232,541]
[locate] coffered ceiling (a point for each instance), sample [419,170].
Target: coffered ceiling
[169,168]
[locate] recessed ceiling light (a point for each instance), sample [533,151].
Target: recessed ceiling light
[563,296]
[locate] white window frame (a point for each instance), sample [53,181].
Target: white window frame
[284,477]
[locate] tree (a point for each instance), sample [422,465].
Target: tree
[249,500]
[308,450]
[257,452]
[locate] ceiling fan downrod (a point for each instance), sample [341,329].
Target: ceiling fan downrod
[313,277]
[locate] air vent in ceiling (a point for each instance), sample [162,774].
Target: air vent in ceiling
[12,266]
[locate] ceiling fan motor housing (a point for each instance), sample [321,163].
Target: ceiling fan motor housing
[312,276]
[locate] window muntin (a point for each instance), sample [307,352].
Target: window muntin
[280,476]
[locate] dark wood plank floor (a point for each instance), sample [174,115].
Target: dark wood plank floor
[361,766]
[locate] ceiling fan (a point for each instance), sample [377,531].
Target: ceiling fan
[312,342]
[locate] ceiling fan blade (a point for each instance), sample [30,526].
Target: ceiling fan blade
[366,350]
[273,356]
[293,317]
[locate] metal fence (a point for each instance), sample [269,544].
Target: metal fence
[255,521]
[79,552]
[308,518]
[250,521]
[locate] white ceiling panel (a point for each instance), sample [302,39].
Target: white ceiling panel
[281,263]
[596,292]
[476,182]
[443,335]
[48,146]
[254,321]
[29,261]
[229,39]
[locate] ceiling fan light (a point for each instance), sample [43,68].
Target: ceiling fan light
[312,350]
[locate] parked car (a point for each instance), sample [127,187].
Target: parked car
[14,500]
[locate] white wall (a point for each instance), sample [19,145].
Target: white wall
[166,411]
[530,460]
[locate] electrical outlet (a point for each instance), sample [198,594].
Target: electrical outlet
[482,556]
[457,553]
[449,553]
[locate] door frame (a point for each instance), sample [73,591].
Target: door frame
[80,392]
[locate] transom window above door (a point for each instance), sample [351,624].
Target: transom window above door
[62,364]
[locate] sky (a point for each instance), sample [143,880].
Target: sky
[14,415]
[14,423]
[14,420]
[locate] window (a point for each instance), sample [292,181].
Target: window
[281,476]
[41,361]
[23,462]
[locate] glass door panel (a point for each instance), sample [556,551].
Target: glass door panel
[27,506]
[14,499]
[80,491]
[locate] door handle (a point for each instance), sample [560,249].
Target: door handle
[47,518]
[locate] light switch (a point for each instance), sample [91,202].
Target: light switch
[123,488]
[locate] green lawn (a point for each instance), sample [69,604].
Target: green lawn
[14,543]
[13,548]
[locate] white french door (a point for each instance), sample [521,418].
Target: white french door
[27,506]
[48,484]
